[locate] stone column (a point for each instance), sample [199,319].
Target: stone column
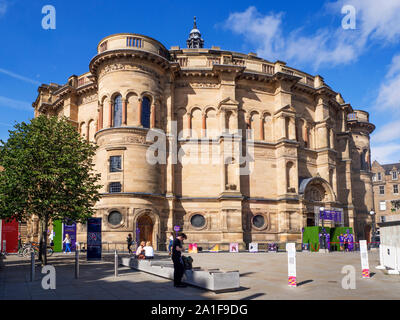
[110,114]
[262,137]
[87,131]
[331,139]
[189,124]
[222,120]
[100,123]
[140,112]
[153,117]
[124,122]
[203,125]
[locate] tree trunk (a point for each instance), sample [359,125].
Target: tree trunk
[40,240]
[46,225]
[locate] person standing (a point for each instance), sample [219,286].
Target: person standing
[171,241]
[179,268]
[51,238]
[341,239]
[129,240]
[346,242]
[67,242]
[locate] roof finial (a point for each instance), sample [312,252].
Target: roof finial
[195,41]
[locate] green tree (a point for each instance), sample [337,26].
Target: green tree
[395,205]
[48,172]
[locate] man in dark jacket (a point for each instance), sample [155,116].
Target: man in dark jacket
[179,268]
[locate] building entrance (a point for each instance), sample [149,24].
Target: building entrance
[145,228]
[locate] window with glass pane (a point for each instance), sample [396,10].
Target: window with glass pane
[381,190]
[146,112]
[394,175]
[115,164]
[379,176]
[117,111]
[395,188]
[115,187]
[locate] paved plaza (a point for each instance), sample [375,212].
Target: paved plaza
[262,276]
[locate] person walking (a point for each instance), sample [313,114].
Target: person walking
[179,268]
[171,241]
[67,242]
[129,240]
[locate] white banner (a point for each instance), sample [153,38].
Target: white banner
[291,250]
[253,247]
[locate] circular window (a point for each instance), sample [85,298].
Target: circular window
[258,221]
[198,221]
[115,218]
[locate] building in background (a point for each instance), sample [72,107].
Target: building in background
[386,182]
[311,148]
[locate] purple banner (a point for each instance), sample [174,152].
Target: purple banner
[71,230]
[331,215]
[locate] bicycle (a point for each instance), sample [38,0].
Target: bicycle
[34,247]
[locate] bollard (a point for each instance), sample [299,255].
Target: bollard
[364,259]
[76,264]
[32,266]
[291,250]
[115,264]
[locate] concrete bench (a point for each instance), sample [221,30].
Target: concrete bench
[212,279]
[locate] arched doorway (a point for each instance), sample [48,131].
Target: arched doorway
[145,228]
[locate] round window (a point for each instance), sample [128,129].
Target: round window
[258,221]
[114,218]
[198,221]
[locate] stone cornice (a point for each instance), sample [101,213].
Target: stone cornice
[129,53]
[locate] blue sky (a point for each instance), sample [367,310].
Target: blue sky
[363,64]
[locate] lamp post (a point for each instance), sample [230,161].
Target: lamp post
[372,213]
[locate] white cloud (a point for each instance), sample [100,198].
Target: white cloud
[376,21]
[387,153]
[389,132]
[15,104]
[389,91]
[19,77]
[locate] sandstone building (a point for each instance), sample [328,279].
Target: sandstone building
[311,148]
[386,182]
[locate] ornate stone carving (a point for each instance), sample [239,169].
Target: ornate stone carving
[130,67]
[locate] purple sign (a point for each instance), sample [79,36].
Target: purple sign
[71,230]
[177,228]
[331,215]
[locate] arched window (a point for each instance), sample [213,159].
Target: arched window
[117,115]
[146,112]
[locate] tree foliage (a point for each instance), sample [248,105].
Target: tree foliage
[48,172]
[395,205]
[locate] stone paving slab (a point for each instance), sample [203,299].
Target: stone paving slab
[263,276]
